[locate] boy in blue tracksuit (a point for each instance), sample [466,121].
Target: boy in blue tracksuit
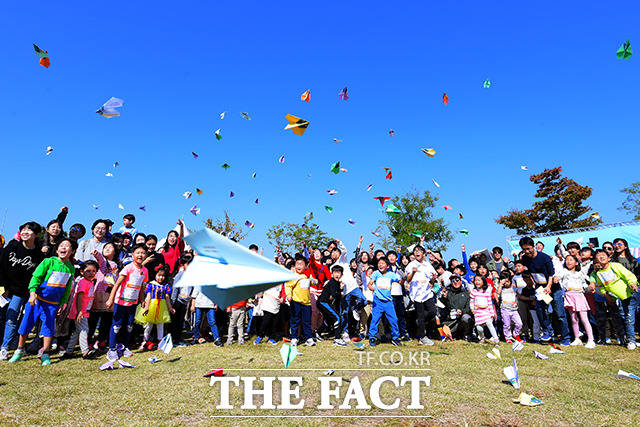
[382,281]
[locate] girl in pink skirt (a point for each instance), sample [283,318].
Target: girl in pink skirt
[574,282]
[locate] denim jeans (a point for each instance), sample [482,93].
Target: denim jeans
[354,300]
[542,310]
[122,325]
[11,326]
[211,318]
[629,307]
[300,316]
[398,304]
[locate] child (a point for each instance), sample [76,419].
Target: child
[127,226]
[365,313]
[329,303]
[125,294]
[106,278]
[618,283]
[270,303]
[203,306]
[509,308]
[49,287]
[574,282]
[383,302]
[180,299]
[156,307]
[528,296]
[80,305]
[482,308]
[236,321]
[299,297]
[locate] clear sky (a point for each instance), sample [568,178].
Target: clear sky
[558,96]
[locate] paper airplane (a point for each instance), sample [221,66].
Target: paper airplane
[487,84]
[496,351]
[336,140]
[249,224]
[96,206]
[524,168]
[199,191]
[108,109]
[332,192]
[540,355]
[43,55]
[195,210]
[166,345]
[143,208]
[116,164]
[125,364]
[435,183]
[214,373]
[393,209]
[624,52]
[381,199]
[527,400]
[369,187]
[120,206]
[392,132]
[222,115]
[352,222]
[154,359]
[281,159]
[335,168]
[511,372]
[226,272]
[306,96]
[492,356]
[344,94]
[187,194]
[109,174]
[288,353]
[595,215]
[49,150]
[218,135]
[245,116]
[429,151]
[629,375]
[463,231]
[517,346]
[447,207]
[296,124]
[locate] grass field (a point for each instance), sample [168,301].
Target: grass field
[577,388]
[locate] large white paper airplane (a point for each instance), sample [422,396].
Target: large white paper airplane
[227,272]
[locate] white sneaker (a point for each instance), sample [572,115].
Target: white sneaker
[631,346]
[4,354]
[577,341]
[339,342]
[310,342]
[590,344]
[425,341]
[294,341]
[345,337]
[229,342]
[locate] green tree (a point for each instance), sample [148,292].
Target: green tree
[416,217]
[289,236]
[560,206]
[632,202]
[227,227]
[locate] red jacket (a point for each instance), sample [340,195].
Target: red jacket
[320,272]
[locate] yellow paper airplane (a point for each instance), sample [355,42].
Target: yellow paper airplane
[429,152]
[296,124]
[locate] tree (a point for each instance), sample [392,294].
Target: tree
[632,203]
[560,206]
[226,227]
[289,236]
[416,217]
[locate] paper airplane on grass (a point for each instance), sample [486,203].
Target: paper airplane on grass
[540,355]
[527,400]
[288,353]
[511,372]
[623,374]
[166,345]
[226,272]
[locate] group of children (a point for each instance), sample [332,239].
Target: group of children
[104,286]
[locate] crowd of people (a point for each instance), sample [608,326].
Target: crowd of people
[115,290]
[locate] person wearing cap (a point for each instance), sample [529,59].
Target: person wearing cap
[457,312]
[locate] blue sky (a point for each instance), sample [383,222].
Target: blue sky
[559,96]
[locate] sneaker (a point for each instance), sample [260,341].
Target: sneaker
[356,339]
[397,343]
[565,342]
[240,341]
[356,315]
[89,355]
[4,354]
[294,341]
[272,341]
[45,359]
[630,346]
[517,338]
[495,341]
[590,344]
[127,353]
[607,341]
[17,355]
[181,344]
[310,342]
[482,341]
[340,342]
[577,341]
[112,355]
[229,341]
[508,340]
[373,342]
[405,338]
[423,341]
[345,337]
[545,338]
[257,341]
[218,342]
[318,337]
[143,346]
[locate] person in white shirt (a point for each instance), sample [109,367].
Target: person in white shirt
[354,299]
[419,281]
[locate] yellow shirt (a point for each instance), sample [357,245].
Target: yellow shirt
[298,289]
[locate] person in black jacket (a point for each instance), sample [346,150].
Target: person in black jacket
[329,303]
[18,261]
[457,310]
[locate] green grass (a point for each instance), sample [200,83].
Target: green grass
[578,388]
